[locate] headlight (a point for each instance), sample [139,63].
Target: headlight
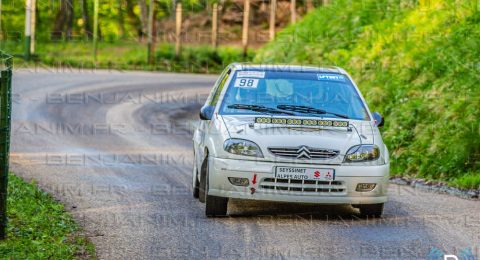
[362,153]
[242,147]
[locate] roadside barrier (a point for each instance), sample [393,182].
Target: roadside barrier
[5,119]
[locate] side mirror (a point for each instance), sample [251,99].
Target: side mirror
[206,112]
[379,121]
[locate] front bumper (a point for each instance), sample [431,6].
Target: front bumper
[341,191]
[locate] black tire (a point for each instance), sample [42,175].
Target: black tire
[202,194]
[196,188]
[216,206]
[371,210]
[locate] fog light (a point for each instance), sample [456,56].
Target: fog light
[365,186]
[238,181]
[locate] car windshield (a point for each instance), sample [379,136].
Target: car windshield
[301,93]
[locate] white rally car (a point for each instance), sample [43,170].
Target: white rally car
[291,134]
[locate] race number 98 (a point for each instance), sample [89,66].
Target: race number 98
[246,83]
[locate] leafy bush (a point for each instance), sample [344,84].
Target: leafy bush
[128,55]
[416,62]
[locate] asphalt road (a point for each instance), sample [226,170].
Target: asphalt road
[115,147]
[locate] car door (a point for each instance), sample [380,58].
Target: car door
[204,125]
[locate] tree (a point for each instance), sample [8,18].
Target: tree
[63,24]
[121,20]
[87,26]
[132,18]
[143,16]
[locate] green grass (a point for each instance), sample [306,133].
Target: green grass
[129,56]
[39,227]
[418,63]
[466,181]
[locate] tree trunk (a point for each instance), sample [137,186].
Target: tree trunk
[87,26]
[143,16]
[293,11]
[64,20]
[151,32]
[1,32]
[70,16]
[133,18]
[33,25]
[246,22]
[273,13]
[215,25]
[309,4]
[121,21]
[178,29]
[57,30]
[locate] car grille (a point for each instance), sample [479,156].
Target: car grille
[307,186]
[304,152]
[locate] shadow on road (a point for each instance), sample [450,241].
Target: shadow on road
[245,208]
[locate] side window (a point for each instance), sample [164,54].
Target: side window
[215,94]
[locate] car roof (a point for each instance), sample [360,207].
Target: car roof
[286,68]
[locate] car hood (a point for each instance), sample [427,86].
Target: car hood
[330,138]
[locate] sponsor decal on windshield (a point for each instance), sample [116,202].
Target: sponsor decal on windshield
[330,77]
[251,74]
[306,122]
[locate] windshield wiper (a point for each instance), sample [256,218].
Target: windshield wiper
[259,108]
[309,110]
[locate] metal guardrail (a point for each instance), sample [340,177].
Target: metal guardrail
[5,119]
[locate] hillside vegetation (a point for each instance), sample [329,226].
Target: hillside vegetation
[416,62]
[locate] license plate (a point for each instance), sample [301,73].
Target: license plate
[295,173]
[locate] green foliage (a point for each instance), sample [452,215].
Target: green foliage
[122,44]
[467,181]
[417,63]
[129,56]
[13,17]
[39,227]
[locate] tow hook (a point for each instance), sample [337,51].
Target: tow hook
[254,181]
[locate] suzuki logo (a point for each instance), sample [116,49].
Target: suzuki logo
[303,153]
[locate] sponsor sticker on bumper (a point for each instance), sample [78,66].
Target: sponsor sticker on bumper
[296,173]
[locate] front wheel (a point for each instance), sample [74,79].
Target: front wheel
[371,210]
[202,187]
[196,189]
[195,182]
[214,206]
